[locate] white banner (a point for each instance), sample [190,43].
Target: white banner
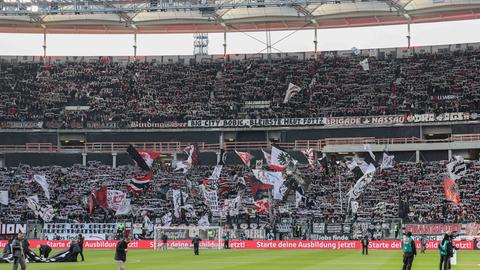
[124,208]
[177,201]
[44,212]
[216,172]
[211,198]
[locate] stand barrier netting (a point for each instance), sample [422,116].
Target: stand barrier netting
[181,237]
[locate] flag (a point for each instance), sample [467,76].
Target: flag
[178,201]
[149,157]
[216,172]
[258,164]
[457,168]
[368,148]
[245,157]
[138,184]
[365,65]
[211,198]
[256,186]
[192,152]
[147,223]
[262,206]
[139,159]
[291,91]
[355,51]
[167,219]
[189,210]
[280,159]
[101,197]
[451,191]
[4,197]
[323,161]
[268,177]
[124,208]
[387,162]
[42,181]
[267,156]
[363,172]
[44,212]
[178,165]
[223,157]
[203,221]
[115,199]
[310,155]
[354,206]
[299,196]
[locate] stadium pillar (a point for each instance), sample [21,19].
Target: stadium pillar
[225,45]
[114,160]
[417,156]
[44,45]
[135,44]
[84,159]
[315,43]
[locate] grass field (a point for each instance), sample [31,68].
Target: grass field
[257,260]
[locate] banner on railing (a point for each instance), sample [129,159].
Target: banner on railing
[251,244]
[468,229]
[235,123]
[158,125]
[22,125]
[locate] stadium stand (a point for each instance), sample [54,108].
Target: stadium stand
[150,92]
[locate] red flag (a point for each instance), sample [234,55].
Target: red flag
[245,157]
[262,206]
[149,156]
[256,186]
[451,191]
[101,197]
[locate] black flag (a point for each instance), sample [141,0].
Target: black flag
[137,158]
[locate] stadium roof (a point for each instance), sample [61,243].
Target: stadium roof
[156,16]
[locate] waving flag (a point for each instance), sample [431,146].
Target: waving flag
[267,156]
[451,191]
[124,208]
[387,162]
[310,155]
[144,159]
[292,90]
[137,183]
[365,65]
[115,199]
[457,168]
[280,159]
[262,206]
[42,181]
[245,157]
[100,197]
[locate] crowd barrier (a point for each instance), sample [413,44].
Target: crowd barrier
[251,244]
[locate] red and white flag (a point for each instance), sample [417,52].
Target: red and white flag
[310,155]
[279,159]
[245,157]
[149,156]
[137,183]
[262,206]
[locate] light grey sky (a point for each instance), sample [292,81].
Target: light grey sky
[182,44]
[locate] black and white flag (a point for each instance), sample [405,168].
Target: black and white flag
[365,65]
[362,171]
[387,162]
[291,91]
[457,168]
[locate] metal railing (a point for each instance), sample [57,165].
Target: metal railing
[178,147]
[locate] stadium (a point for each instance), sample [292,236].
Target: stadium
[243,134]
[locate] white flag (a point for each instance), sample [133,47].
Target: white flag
[298,198]
[216,172]
[365,65]
[387,162]
[42,181]
[167,219]
[177,201]
[115,199]
[291,91]
[267,157]
[4,197]
[457,168]
[354,206]
[268,177]
[203,221]
[124,208]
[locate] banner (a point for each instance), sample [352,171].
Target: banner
[468,229]
[42,181]
[6,229]
[4,197]
[22,125]
[274,122]
[251,244]
[211,198]
[158,125]
[115,199]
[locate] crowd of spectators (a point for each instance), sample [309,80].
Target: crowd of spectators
[411,191]
[151,92]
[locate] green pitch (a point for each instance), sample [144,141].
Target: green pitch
[258,260]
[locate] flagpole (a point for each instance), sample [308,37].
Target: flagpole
[340,189]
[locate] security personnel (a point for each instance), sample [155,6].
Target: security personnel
[365,245]
[409,251]
[444,248]
[226,241]
[196,244]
